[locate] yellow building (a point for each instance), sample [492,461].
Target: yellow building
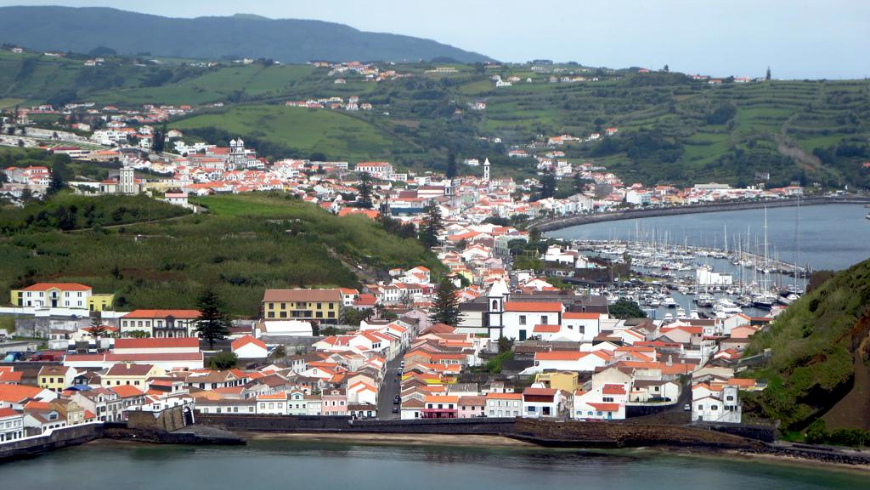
[55,378]
[130,374]
[561,380]
[320,305]
[101,302]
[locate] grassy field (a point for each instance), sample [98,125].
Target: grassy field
[247,243]
[334,133]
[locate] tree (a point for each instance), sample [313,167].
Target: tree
[534,235]
[505,345]
[279,352]
[625,309]
[349,316]
[58,175]
[445,308]
[548,185]
[97,328]
[212,323]
[223,361]
[431,226]
[364,200]
[451,166]
[667,69]
[158,141]
[767,76]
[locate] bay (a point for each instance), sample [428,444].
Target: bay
[831,236]
[336,465]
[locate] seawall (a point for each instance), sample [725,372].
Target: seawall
[560,223]
[53,439]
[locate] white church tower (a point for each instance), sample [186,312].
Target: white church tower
[127,181]
[486,170]
[496,297]
[237,158]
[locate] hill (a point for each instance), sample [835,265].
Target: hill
[247,243]
[241,36]
[672,128]
[820,357]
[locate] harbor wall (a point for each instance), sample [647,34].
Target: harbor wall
[560,223]
[52,439]
[282,423]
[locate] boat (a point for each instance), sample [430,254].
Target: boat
[764,301]
[669,302]
[704,300]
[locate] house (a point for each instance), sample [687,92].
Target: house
[716,402]
[321,305]
[334,402]
[42,416]
[472,406]
[55,378]
[102,402]
[568,361]
[61,295]
[130,374]
[16,396]
[161,323]
[276,404]
[440,407]
[11,425]
[501,404]
[248,347]
[541,402]
[605,403]
[520,317]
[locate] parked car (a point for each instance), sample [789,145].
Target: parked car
[397,400]
[395,409]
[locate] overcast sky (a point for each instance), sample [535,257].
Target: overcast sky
[797,38]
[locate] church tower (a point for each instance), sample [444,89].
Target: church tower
[496,298]
[127,181]
[486,174]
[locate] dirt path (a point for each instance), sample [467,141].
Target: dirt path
[853,411]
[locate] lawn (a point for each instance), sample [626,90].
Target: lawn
[334,133]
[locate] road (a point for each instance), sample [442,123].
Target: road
[389,389]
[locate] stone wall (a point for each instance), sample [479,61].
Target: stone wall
[766,433]
[279,423]
[168,420]
[58,438]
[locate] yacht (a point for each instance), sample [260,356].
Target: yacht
[670,303]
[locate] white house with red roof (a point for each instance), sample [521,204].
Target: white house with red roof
[569,361]
[160,323]
[248,347]
[541,402]
[585,326]
[53,295]
[11,425]
[519,318]
[605,403]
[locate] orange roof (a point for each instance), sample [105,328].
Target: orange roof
[504,396]
[162,314]
[127,391]
[742,382]
[441,399]
[63,286]
[247,339]
[533,307]
[605,407]
[18,393]
[8,412]
[560,355]
[612,389]
[547,328]
[539,392]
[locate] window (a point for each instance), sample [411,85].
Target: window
[522,319]
[607,399]
[319,306]
[714,407]
[283,305]
[544,319]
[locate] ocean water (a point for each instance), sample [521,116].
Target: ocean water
[823,236]
[326,466]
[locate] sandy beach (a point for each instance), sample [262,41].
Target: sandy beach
[393,439]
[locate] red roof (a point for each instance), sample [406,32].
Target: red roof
[247,339]
[547,328]
[573,315]
[539,392]
[63,286]
[8,412]
[605,407]
[127,391]
[560,355]
[192,314]
[613,390]
[533,307]
[173,343]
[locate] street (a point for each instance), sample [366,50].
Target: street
[389,389]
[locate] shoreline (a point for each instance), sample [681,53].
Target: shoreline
[489,441]
[630,214]
[482,441]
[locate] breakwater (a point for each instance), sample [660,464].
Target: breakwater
[628,214]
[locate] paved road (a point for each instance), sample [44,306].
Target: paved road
[389,390]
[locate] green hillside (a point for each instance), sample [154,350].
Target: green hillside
[294,131]
[820,362]
[246,244]
[672,129]
[287,40]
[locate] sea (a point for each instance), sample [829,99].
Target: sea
[833,236]
[338,465]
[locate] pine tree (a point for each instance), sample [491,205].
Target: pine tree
[446,305]
[364,200]
[548,185]
[97,328]
[212,323]
[667,69]
[767,76]
[431,226]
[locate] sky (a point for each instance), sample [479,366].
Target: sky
[796,38]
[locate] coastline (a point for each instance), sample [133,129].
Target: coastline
[392,439]
[489,441]
[630,214]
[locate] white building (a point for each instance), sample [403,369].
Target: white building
[11,425]
[716,403]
